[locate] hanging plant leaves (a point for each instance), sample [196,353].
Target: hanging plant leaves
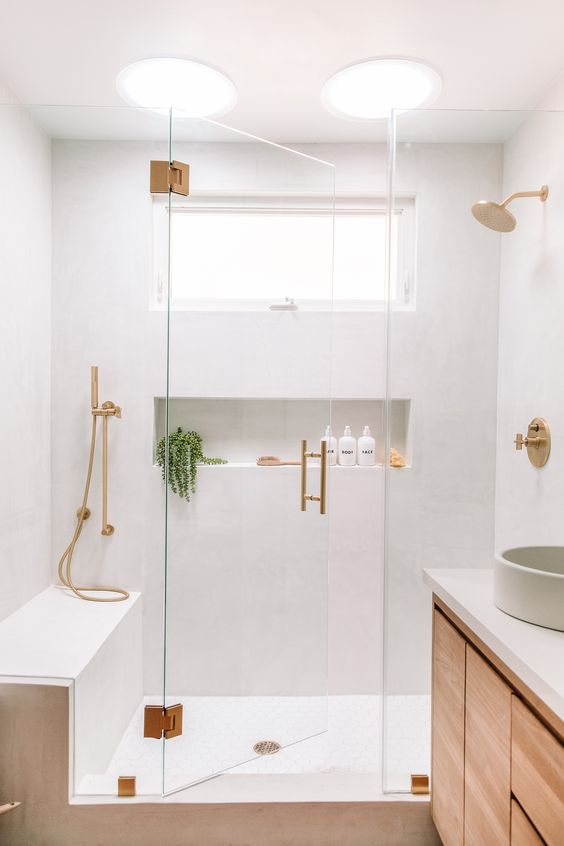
[184,454]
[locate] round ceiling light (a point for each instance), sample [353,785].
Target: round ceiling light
[191,87]
[369,90]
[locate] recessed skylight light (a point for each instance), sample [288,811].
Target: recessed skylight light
[191,87]
[371,89]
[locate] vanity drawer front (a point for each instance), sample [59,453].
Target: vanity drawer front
[537,773]
[447,764]
[487,793]
[522,832]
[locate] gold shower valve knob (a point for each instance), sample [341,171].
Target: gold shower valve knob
[520,442]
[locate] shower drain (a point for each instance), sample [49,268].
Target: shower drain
[267,747]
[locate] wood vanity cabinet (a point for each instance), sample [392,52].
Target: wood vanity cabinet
[497,769]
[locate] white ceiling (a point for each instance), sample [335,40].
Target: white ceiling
[492,54]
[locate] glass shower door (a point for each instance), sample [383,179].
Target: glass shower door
[249,379]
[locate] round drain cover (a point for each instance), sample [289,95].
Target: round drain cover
[267,747]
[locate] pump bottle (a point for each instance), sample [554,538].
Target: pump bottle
[331,446]
[366,449]
[347,449]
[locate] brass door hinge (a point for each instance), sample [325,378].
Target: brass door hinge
[170,176]
[163,722]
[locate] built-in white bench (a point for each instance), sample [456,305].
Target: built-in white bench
[94,649]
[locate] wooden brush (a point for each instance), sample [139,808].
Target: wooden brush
[273,461]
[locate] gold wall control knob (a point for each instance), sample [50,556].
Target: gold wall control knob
[537,442]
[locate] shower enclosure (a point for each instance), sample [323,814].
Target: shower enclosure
[287,291]
[251,311]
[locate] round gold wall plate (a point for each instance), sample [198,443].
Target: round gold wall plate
[538,442]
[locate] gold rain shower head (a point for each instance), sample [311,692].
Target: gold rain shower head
[497,216]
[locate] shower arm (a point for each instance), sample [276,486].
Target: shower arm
[542,194]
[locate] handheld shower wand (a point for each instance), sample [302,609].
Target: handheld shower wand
[106,410]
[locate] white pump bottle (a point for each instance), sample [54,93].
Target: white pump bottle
[366,452]
[331,446]
[347,449]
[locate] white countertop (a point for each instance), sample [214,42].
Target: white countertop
[535,654]
[55,635]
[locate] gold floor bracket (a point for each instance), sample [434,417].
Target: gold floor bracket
[163,722]
[419,784]
[126,786]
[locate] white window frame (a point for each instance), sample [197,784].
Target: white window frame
[405,207]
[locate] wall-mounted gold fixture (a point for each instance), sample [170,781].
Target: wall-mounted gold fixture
[537,442]
[305,497]
[496,215]
[170,176]
[106,410]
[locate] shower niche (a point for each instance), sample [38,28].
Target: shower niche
[240,430]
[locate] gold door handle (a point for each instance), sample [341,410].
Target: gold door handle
[304,496]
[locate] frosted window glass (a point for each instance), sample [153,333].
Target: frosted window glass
[231,255]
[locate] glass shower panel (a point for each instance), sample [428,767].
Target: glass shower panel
[443,356]
[250,304]
[101,317]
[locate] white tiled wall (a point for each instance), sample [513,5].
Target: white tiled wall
[529,501]
[25,336]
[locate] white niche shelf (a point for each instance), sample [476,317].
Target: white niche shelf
[241,429]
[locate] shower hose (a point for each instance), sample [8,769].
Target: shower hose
[65,564]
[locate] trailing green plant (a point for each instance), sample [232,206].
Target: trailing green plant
[184,454]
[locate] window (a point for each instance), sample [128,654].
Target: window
[237,254]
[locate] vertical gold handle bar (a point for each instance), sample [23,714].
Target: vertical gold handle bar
[107,528]
[304,496]
[304,477]
[323,480]
[94,387]
[105,475]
